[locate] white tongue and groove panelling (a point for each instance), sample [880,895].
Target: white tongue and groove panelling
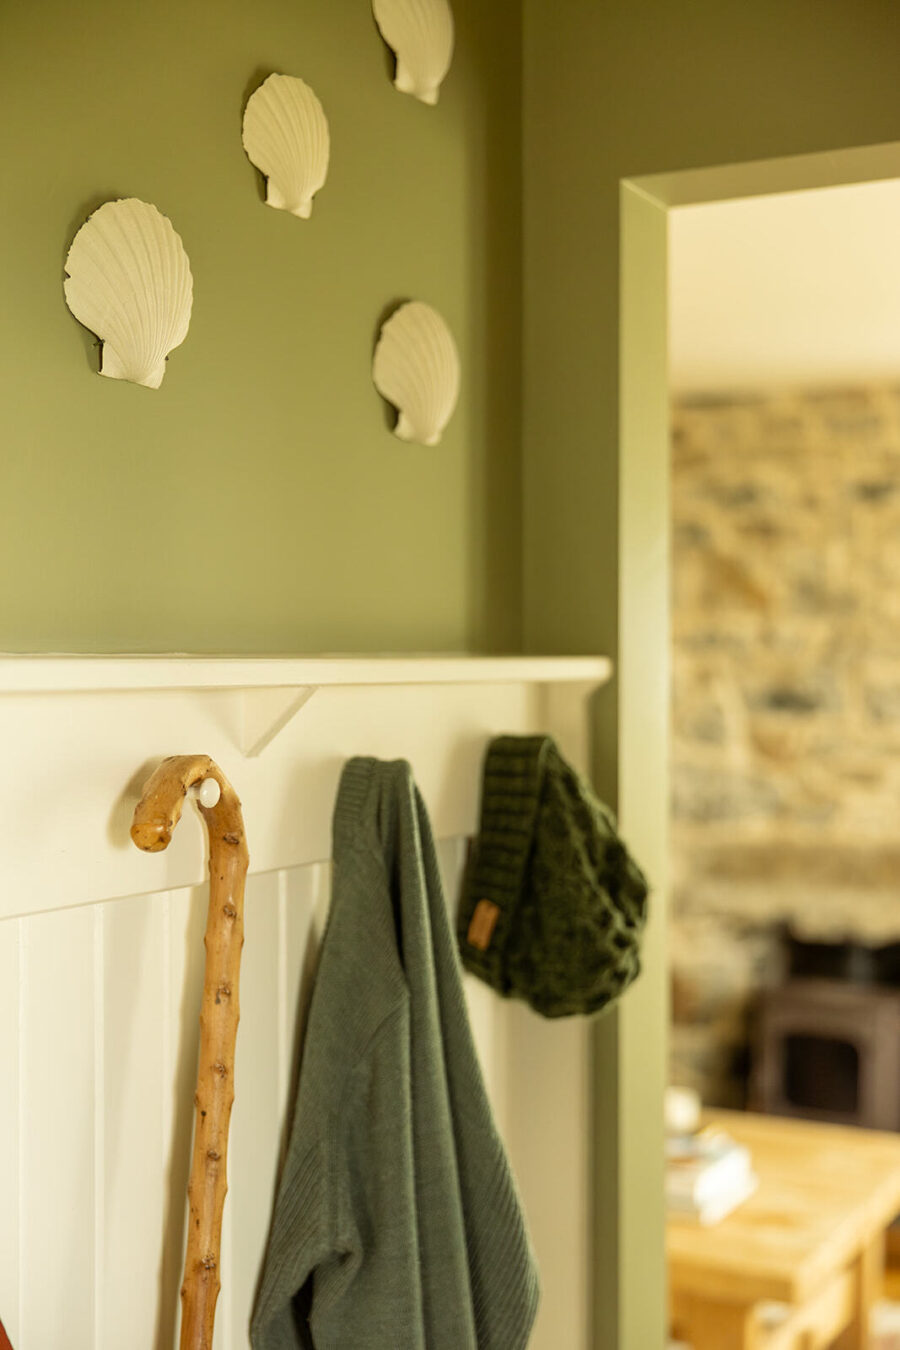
[98,1047]
[101,967]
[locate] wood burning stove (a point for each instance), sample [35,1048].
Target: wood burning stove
[828,1045]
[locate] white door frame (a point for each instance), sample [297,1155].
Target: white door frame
[630,1046]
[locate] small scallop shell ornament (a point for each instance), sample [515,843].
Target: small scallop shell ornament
[286,137]
[128,279]
[420,32]
[416,367]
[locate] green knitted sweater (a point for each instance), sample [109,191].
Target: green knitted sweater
[397,1225]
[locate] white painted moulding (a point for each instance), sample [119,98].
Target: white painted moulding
[273,690]
[421,35]
[286,137]
[99,727]
[416,368]
[96,674]
[128,280]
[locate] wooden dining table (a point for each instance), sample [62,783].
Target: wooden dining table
[799,1264]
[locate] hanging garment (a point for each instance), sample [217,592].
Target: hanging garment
[397,1225]
[554,907]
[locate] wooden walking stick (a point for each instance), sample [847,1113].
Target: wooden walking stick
[155,818]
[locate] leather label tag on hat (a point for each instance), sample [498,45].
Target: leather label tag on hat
[482,925]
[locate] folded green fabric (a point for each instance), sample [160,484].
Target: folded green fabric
[553,907]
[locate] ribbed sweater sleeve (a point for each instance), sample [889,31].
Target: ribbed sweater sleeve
[300,1239]
[373,1300]
[503,1276]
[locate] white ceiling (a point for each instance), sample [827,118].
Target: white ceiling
[803,287]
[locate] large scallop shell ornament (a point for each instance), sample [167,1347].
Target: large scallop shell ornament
[416,367]
[420,32]
[128,279]
[286,137]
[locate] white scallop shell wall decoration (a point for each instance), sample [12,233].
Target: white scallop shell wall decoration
[421,34]
[416,368]
[128,279]
[286,136]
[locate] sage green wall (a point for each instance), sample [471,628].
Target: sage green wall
[614,91]
[258,502]
[618,90]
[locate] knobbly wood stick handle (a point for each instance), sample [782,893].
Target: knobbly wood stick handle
[155,818]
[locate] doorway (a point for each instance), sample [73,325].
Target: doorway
[646,494]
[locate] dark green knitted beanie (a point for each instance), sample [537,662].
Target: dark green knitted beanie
[553,907]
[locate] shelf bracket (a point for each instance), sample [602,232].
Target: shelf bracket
[266,712]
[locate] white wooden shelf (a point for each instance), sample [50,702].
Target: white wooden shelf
[274,689]
[69,674]
[81,734]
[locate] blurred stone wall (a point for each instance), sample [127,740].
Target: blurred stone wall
[786,700]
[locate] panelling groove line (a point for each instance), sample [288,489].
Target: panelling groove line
[98,967]
[21,936]
[23,1112]
[166,1096]
[284,1036]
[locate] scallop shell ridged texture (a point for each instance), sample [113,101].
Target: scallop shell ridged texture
[128,279]
[421,34]
[416,367]
[286,137]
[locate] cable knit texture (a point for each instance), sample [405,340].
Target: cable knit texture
[397,1225]
[568,902]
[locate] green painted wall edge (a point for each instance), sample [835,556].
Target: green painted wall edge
[630,1050]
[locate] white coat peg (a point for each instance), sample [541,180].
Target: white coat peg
[207,793]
